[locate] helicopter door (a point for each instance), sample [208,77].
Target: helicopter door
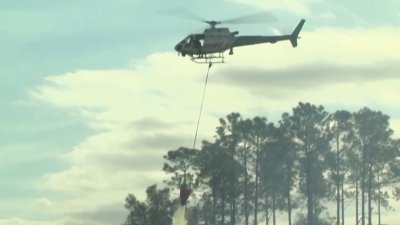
[197,45]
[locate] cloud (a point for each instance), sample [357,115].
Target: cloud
[294,6]
[108,214]
[307,77]
[343,13]
[43,202]
[324,58]
[148,123]
[162,140]
[19,221]
[137,114]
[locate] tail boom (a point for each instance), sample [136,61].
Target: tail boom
[251,40]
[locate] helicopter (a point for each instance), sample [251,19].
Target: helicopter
[209,46]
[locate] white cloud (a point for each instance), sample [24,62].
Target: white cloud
[19,221]
[122,156]
[335,45]
[358,13]
[166,90]
[43,203]
[296,6]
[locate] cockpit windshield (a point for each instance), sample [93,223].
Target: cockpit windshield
[187,39]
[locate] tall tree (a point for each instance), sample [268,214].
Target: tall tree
[340,123]
[395,170]
[212,168]
[157,209]
[259,137]
[137,211]
[309,125]
[354,165]
[384,167]
[253,166]
[229,136]
[180,163]
[374,133]
[218,165]
[272,171]
[289,159]
[245,158]
[232,139]
[160,208]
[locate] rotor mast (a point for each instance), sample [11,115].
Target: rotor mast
[212,23]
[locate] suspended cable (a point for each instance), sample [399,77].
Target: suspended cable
[201,106]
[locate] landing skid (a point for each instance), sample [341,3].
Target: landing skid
[208,58]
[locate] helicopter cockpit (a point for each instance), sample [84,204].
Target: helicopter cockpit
[192,44]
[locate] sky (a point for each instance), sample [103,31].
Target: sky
[93,94]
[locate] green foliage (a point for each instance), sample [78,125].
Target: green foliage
[220,169]
[254,167]
[157,209]
[138,211]
[180,163]
[311,130]
[302,220]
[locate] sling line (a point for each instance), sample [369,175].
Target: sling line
[201,106]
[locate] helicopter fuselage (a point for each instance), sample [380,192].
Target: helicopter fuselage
[218,40]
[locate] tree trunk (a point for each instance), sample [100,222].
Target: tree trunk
[338,205]
[266,209]
[310,204]
[310,201]
[370,195]
[256,203]
[337,181]
[256,182]
[214,212]
[273,209]
[363,187]
[315,218]
[289,203]
[233,213]
[232,197]
[246,192]
[357,198]
[379,199]
[233,204]
[223,203]
[342,196]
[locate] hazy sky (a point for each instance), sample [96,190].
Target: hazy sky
[93,94]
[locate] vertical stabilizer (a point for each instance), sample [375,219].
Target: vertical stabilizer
[295,34]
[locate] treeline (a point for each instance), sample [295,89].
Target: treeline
[254,169]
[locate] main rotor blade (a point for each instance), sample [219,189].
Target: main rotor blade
[182,13]
[262,17]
